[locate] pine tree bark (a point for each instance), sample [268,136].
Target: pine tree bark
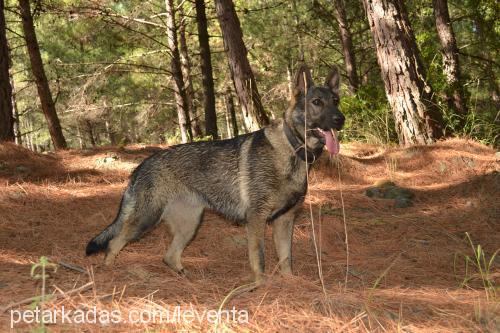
[206,71]
[176,69]
[449,52]
[79,135]
[28,125]
[110,132]
[6,109]
[42,84]
[17,123]
[186,72]
[230,112]
[90,132]
[246,88]
[347,47]
[417,119]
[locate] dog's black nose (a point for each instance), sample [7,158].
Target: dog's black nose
[338,120]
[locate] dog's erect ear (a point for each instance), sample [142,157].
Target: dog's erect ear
[303,79]
[333,80]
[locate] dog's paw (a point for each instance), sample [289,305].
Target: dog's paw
[184,273]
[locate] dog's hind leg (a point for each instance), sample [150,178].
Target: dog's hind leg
[116,244]
[282,236]
[183,218]
[132,229]
[138,220]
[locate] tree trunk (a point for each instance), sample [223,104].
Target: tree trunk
[186,72]
[79,135]
[28,125]
[110,133]
[48,107]
[90,132]
[176,68]
[230,112]
[450,57]
[241,72]
[6,117]
[417,119]
[206,71]
[17,121]
[97,135]
[228,125]
[347,47]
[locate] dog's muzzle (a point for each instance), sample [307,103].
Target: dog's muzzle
[329,136]
[338,121]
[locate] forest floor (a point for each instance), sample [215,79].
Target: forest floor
[406,266]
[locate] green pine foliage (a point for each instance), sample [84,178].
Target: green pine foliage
[109,66]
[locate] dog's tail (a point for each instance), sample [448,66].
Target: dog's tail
[100,242]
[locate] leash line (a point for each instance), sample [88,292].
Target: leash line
[318,259]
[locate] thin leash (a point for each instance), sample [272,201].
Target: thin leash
[338,162]
[318,259]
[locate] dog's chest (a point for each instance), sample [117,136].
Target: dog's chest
[291,192]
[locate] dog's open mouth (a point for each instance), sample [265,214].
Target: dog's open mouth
[331,140]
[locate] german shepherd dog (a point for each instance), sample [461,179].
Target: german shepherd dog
[257,179]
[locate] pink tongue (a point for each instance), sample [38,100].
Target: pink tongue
[332,144]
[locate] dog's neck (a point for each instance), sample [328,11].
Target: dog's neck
[299,146]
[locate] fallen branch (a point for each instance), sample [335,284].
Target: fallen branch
[32,299]
[73,267]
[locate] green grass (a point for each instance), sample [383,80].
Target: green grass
[478,266]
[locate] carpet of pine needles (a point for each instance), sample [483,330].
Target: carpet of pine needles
[405,270]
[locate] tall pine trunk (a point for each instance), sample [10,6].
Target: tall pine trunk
[17,123]
[206,71]
[90,132]
[417,119]
[42,84]
[230,113]
[186,72]
[449,51]
[246,88]
[6,118]
[110,132]
[176,69]
[347,47]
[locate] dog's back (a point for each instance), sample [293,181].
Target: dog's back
[229,176]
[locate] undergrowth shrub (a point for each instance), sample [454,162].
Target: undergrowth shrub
[368,117]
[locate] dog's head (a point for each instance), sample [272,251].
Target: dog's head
[314,110]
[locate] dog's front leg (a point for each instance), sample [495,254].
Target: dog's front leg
[282,236]
[256,228]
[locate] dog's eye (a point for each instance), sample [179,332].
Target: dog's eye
[317,102]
